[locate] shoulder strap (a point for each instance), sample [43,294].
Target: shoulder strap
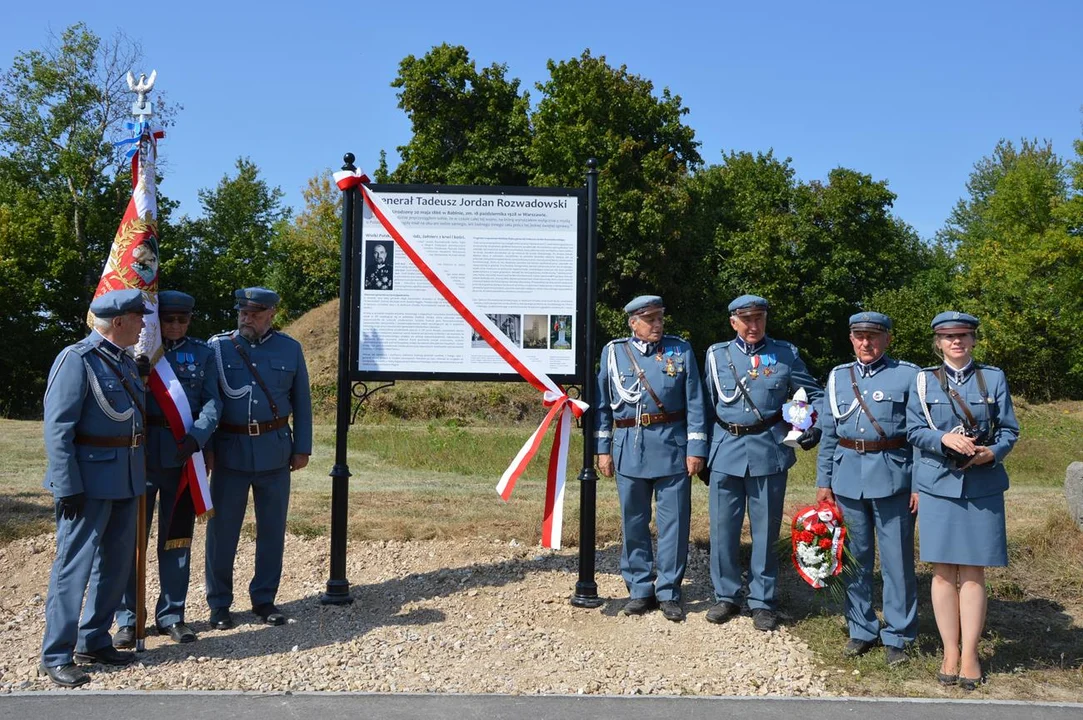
[123,382]
[956,399]
[865,408]
[741,387]
[255,374]
[643,378]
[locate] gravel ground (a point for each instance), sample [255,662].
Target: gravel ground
[477,616]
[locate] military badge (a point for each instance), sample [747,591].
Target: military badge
[755,371]
[671,369]
[878,395]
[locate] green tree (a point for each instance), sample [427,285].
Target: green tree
[589,109]
[305,254]
[229,246]
[1017,247]
[469,127]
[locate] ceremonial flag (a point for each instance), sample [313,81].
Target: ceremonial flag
[133,263]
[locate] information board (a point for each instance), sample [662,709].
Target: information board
[518,253]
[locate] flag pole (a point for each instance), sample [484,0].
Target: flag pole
[142,110]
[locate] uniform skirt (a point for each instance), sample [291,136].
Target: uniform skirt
[963,531]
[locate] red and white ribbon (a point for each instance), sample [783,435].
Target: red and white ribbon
[174,403]
[561,407]
[347,180]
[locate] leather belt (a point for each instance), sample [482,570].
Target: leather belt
[864,446]
[157,421]
[766,424]
[254,429]
[112,441]
[648,419]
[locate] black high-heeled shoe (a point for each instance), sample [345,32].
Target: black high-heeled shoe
[945,679]
[971,684]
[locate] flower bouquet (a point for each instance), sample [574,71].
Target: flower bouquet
[818,537]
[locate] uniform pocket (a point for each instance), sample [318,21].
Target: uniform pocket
[88,453]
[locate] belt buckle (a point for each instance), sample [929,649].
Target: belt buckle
[137,440]
[645,420]
[253,429]
[859,445]
[734,429]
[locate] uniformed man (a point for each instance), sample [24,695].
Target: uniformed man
[194,367]
[748,380]
[94,424]
[264,384]
[865,466]
[650,431]
[379,277]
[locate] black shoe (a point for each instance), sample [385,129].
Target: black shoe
[672,610]
[125,638]
[895,656]
[269,614]
[722,612]
[945,679]
[221,619]
[107,655]
[764,619]
[970,684]
[639,606]
[856,648]
[179,632]
[70,675]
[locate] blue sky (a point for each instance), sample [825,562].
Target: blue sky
[914,93]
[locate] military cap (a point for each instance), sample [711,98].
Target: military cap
[118,302]
[870,321]
[644,303]
[952,320]
[748,304]
[255,298]
[175,301]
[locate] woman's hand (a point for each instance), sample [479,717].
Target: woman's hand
[959,443]
[982,456]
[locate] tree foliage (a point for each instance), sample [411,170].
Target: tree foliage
[469,127]
[1016,242]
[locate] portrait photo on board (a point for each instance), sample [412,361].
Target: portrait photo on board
[510,325]
[379,263]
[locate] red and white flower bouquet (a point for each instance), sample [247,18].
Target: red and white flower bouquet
[818,540]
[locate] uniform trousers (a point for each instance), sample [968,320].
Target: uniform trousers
[763,495]
[98,548]
[888,519]
[271,497]
[173,565]
[646,573]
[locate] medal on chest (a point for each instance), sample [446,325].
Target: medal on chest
[769,359]
[756,362]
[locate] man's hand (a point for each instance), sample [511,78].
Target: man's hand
[823,494]
[187,447]
[810,438]
[142,366]
[913,503]
[71,506]
[605,464]
[694,464]
[208,457]
[298,461]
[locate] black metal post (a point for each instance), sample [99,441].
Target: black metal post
[338,587]
[586,589]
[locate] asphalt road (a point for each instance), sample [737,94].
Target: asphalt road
[77,705]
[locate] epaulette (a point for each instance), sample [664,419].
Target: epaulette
[81,348]
[723,344]
[983,366]
[932,368]
[907,363]
[283,334]
[196,341]
[220,336]
[614,341]
[787,343]
[844,365]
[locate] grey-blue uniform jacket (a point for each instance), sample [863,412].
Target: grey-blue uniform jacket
[847,471]
[656,450]
[933,472]
[197,372]
[84,397]
[780,373]
[281,364]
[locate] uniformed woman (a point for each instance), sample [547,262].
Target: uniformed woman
[960,417]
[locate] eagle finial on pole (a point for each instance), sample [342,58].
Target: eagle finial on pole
[141,90]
